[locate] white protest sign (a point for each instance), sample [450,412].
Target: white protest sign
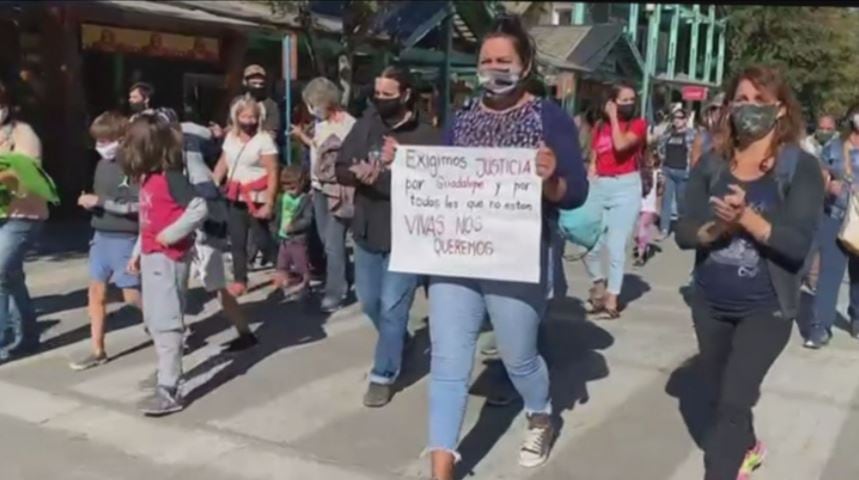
[466,212]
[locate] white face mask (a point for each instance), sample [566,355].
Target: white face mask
[107,150]
[499,82]
[855,121]
[4,113]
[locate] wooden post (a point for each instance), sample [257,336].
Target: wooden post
[708,56]
[720,60]
[234,49]
[672,40]
[447,28]
[65,117]
[650,56]
[632,27]
[693,47]
[579,12]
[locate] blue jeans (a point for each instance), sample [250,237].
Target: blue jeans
[16,307]
[834,261]
[457,310]
[620,198]
[332,232]
[675,192]
[386,297]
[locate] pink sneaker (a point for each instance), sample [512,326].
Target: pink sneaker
[753,460]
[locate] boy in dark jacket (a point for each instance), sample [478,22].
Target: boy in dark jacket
[114,208]
[294,218]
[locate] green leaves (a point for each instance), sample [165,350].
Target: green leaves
[816,47]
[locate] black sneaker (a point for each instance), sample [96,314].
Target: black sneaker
[854,329]
[242,343]
[377,395]
[163,401]
[330,305]
[91,360]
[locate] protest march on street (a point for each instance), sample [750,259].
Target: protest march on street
[428,240]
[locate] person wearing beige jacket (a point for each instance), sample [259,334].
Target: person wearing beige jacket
[19,225]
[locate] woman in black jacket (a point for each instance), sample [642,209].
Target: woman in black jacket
[752,207]
[364,163]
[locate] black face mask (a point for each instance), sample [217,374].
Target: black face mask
[625,112]
[248,128]
[388,108]
[258,92]
[137,107]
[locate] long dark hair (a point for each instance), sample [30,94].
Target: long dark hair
[510,26]
[402,76]
[151,145]
[787,129]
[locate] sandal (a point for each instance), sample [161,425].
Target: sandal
[613,312]
[596,300]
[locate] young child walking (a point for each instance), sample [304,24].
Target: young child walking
[170,212]
[113,205]
[294,218]
[644,248]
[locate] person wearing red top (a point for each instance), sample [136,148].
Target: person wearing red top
[170,212]
[618,144]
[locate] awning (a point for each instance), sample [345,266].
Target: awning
[598,50]
[232,14]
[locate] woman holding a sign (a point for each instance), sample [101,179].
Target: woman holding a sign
[617,147]
[505,116]
[364,162]
[751,211]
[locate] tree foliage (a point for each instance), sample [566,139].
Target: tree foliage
[816,47]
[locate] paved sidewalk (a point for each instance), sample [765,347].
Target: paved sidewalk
[291,409]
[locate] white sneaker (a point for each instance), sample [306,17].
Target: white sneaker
[538,440]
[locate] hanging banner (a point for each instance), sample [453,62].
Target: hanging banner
[153,44]
[466,212]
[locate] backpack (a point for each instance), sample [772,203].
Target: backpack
[784,169]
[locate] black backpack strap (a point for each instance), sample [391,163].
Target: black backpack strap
[785,167]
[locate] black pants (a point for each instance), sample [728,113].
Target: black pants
[736,354]
[240,223]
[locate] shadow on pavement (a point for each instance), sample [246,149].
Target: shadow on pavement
[694,397]
[282,326]
[634,287]
[570,345]
[124,317]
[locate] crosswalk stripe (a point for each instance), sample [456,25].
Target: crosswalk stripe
[32,405]
[607,386]
[304,410]
[807,397]
[161,442]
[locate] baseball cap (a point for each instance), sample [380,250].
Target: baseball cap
[717,101]
[254,70]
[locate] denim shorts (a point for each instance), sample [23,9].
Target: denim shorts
[109,255]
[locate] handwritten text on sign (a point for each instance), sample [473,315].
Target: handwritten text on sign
[466,212]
